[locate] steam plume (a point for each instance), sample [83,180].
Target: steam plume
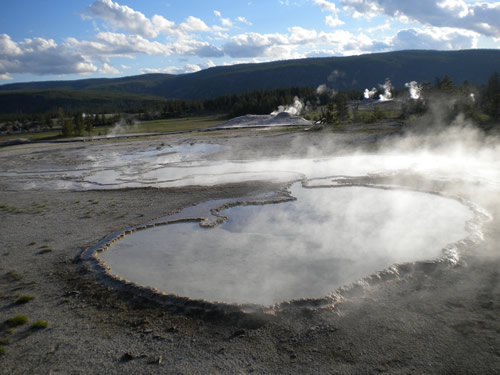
[295,109]
[414,89]
[369,94]
[387,86]
[324,89]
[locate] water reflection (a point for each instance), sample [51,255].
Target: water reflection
[306,248]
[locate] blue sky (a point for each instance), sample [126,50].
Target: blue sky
[71,39]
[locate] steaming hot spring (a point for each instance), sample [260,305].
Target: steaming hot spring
[336,222]
[305,248]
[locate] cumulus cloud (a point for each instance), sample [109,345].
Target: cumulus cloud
[333,19]
[8,47]
[122,17]
[40,56]
[248,45]
[188,68]
[204,49]
[326,6]
[163,26]
[435,38]
[224,21]
[5,77]
[110,44]
[194,24]
[136,23]
[340,42]
[108,69]
[480,17]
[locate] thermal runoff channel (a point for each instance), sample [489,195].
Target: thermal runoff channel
[305,248]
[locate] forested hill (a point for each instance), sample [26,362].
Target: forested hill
[353,72]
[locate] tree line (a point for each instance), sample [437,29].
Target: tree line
[478,103]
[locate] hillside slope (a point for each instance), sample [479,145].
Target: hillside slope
[352,72]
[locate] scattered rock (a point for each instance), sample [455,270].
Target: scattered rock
[238,333]
[156,360]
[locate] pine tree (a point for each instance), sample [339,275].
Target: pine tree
[67,129]
[88,124]
[79,124]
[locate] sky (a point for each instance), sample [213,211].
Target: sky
[73,39]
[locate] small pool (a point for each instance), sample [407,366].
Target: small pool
[305,248]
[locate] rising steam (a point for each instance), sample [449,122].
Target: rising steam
[295,109]
[386,95]
[325,90]
[369,94]
[414,89]
[387,87]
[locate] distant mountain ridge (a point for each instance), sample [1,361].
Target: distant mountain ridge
[351,72]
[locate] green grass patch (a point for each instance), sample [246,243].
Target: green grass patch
[14,276]
[5,340]
[41,136]
[17,320]
[2,350]
[181,124]
[24,299]
[10,209]
[40,324]
[154,126]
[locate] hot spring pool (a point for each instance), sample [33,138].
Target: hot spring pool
[306,248]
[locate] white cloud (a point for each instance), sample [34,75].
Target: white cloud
[291,45]
[248,45]
[299,35]
[136,23]
[108,69]
[194,24]
[110,44]
[188,68]
[480,17]
[123,17]
[8,47]
[435,38]
[197,48]
[5,77]
[224,21]
[333,21]
[455,6]
[385,26]
[244,20]
[164,26]
[327,6]
[321,53]
[41,56]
